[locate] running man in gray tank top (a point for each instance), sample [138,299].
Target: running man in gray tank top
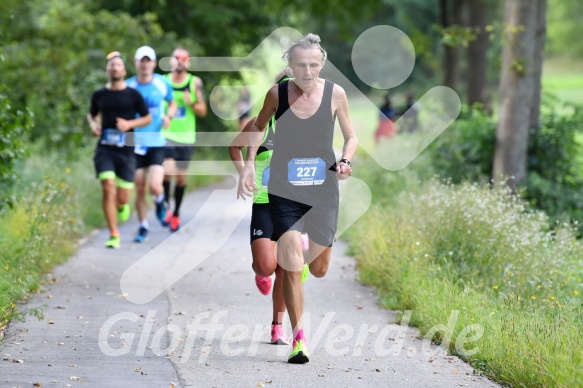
[303,182]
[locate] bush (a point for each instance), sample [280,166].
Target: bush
[465,151]
[14,127]
[555,166]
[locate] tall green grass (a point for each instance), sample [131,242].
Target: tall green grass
[55,204]
[435,248]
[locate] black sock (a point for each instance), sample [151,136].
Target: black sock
[166,185]
[275,323]
[178,194]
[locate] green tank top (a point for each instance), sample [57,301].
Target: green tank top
[262,161]
[183,126]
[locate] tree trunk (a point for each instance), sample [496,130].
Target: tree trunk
[451,59]
[517,87]
[477,52]
[541,37]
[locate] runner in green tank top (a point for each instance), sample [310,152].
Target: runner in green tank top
[262,247]
[181,136]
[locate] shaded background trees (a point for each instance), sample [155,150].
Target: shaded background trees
[53,54]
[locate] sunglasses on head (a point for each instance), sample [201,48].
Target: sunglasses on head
[115,54]
[183,58]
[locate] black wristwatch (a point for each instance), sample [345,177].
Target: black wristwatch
[346,161]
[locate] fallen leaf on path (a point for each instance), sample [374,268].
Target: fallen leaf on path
[51,322]
[259,384]
[18,361]
[74,378]
[269,381]
[36,384]
[433,358]
[72,365]
[455,372]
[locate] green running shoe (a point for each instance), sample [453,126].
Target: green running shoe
[299,354]
[123,213]
[113,242]
[305,273]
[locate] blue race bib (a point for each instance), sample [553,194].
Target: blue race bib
[140,150]
[265,177]
[113,137]
[180,113]
[306,171]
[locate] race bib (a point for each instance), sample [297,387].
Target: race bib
[306,171]
[265,177]
[113,137]
[140,150]
[180,113]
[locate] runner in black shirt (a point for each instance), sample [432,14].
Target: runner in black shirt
[111,116]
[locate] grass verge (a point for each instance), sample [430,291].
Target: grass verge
[514,283]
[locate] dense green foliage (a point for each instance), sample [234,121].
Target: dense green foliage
[555,169]
[564,30]
[14,127]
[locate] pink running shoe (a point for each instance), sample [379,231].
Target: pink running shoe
[305,242]
[278,336]
[167,218]
[263,284]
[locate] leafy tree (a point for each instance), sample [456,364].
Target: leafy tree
[57,58]
[15,125]
[564,28]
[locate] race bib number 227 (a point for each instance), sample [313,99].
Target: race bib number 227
[306,171]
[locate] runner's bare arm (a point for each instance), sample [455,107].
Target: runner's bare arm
[95,124]
[239,142]
[199,106]
[258,127]
[247,178]
[126,125]
[350,140]
[170,113]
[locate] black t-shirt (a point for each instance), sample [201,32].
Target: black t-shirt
[111,104]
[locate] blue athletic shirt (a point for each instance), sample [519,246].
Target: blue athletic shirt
[155,93]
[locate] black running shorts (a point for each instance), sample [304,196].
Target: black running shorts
[261,225]
[319,222]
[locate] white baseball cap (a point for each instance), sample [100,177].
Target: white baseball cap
[145,51]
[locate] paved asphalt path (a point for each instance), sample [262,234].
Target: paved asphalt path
[110,321]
